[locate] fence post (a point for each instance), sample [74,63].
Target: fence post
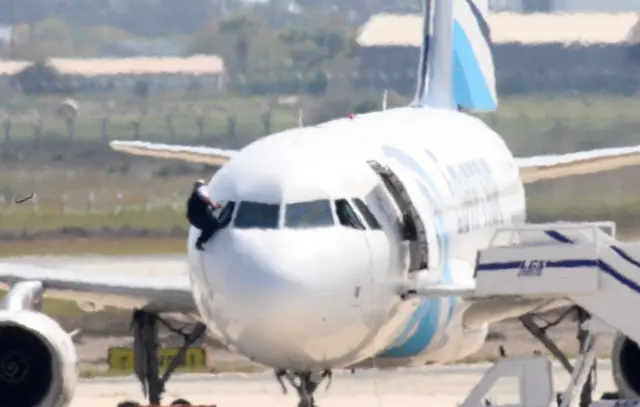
[104,125]
[118,208]
[34,201]
[200,124]
[7,124]
[169,120]
[266,121]
[232,120]
[65,203]
[176,202]
[71,127]
[136,128]
[92,202]
[37,129]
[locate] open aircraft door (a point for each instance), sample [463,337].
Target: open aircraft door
[412,226]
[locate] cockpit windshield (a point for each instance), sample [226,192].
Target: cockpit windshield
[366,213]
[347,216]
[225,213]
[313,214]
[255,215]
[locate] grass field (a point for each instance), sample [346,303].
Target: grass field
[94,246]
[530,124]
[141,193]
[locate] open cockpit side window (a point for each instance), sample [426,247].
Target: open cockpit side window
[256,215]
[347,216]
[369,218]
[313,214]
[226,213]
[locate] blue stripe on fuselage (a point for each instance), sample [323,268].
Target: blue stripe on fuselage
[425,321]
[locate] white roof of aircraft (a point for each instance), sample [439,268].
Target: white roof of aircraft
[585,28]
[305,164]
[297,165]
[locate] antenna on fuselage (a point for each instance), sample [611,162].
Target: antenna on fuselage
[384,100]
[300,118]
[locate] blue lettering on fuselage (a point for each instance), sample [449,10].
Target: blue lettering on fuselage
[472,183]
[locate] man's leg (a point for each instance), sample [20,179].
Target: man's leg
[205,235]
[207,231]
[197,222]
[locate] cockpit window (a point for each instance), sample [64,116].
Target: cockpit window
[366,213]
[308,215]
[346,215]
[257,215]
[225,214]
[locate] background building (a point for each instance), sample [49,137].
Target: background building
[570,6]
[573,52]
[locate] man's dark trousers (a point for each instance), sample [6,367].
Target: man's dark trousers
[208,225]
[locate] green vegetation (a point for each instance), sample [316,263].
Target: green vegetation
[154,219]
[95,246]
[148,194]
[535,125]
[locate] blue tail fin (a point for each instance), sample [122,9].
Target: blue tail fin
[456,64]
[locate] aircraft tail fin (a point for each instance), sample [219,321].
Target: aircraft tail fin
[456,63]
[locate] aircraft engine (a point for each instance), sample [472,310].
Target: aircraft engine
[625,366]
[38,361]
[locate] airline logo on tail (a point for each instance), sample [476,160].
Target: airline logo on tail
[465,37]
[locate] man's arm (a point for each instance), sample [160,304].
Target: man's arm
[204,195]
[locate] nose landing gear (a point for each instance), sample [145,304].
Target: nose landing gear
[305,383]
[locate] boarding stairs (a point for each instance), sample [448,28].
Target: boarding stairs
[577,261]
[418,245]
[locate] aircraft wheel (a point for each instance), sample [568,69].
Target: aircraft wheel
[128,403]
[307,403]
[180,402]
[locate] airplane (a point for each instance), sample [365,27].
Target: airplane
[325,230]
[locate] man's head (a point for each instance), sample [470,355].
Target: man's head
[198,183]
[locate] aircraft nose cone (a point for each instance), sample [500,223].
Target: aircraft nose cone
[288,298]
[260,279]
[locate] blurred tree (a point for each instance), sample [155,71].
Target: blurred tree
[634,35]
[243,28]
[40,78]
[141,89]
[104,34]
[247,45]
[634,39]
[50,37]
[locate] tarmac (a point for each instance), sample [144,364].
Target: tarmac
[438,386]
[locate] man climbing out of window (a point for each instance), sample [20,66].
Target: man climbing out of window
[200,209]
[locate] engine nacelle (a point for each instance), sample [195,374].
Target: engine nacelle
[625,366]
[38,361]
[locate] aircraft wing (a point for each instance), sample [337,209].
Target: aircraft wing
[194,154]
[544,167]
[497,308]
[159,293]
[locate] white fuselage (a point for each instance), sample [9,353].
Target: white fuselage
[300,290]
